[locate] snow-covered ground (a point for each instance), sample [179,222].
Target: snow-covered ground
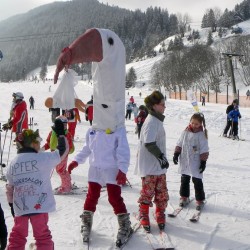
[223,225]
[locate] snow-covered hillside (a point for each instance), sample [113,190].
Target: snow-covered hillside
[223,225]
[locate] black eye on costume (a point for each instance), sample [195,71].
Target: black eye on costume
[110,41]
[105,106]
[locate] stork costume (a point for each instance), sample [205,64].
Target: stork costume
[106,142]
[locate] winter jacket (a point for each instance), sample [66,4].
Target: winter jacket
[106,151]
[89,111]
[193,147]
[234,115]
[152,131]
[51,142]
[28,182]
[129,106]
[19,117]
[141,117]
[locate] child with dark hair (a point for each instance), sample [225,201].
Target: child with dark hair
[192,153]
[29,190]
[151,163]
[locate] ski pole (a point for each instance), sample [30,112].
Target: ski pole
[9,148]
[3,165]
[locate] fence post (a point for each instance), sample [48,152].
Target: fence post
[207,93]
[227,93]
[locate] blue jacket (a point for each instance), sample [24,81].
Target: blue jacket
[234,115]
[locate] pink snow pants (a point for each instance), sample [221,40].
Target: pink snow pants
[61,169]
[41,232]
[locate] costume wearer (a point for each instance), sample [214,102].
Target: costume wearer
[234,117]
[73,117]
[29,190]
[61,168]
[107,53]
[3,230]
[229,122]
[192,150]
[151,163]
[89,111]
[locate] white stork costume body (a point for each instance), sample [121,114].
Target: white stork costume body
[106,142]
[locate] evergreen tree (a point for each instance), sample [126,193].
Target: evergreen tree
[44,71]
[209,38]
[131,78]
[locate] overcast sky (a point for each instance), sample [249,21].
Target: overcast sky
[195,8]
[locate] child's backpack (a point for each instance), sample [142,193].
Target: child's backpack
[70,114]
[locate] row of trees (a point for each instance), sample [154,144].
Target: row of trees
[214,18]
[202,66]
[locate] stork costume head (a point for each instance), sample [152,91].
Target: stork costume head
[106,51]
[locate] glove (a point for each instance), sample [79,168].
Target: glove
[12,209]
[58,127]
[7,126]
[202,166]
[71,166]
[163,161]
[121,178]
[175,157]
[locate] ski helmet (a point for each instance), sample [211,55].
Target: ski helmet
[18,95]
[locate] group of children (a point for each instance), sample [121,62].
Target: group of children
[109,157]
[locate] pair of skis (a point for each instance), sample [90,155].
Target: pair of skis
[195,216]
[163,243]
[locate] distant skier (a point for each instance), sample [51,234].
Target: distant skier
[192,153]
[229,122]
[234,116]
[19,114]
[248,94]
[203,100]
[32,101]
[89,111]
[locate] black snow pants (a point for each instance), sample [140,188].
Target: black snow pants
[198,187]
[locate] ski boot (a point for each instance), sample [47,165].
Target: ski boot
[87,220]
[124,231]
[184,201]
[160,217]
[144,217]
[199,205]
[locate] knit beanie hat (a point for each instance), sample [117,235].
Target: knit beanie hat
[155,98]
[27,137]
